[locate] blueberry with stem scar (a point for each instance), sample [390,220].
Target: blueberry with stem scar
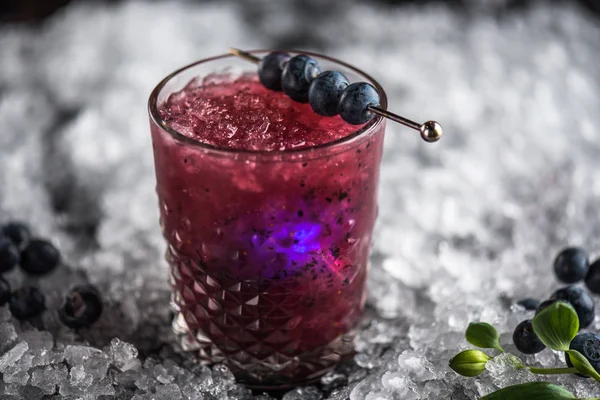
[588,344]
[82,307]
[270,69]
[325,91]
[355,101]
[297,75]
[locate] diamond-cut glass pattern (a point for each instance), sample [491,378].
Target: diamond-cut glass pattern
[268,251]
[259,334]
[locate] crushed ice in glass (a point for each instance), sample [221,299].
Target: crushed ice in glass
[464,224]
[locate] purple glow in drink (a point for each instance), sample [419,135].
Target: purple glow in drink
[268,210]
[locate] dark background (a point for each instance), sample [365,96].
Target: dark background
[31,11]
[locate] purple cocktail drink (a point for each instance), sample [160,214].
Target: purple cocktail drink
[268,210]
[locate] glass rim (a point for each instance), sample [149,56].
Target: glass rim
[355,135]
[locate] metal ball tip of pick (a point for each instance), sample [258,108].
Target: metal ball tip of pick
[430,131]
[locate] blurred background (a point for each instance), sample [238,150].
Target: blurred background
[72,70]
[515,83]
[36,10]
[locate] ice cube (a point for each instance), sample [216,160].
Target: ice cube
[123,355]
[396,381]
[367,360]
[18,376]
[143,396]
[10,388]
[17,373]
[303,393]
[49,377]
[79,378]
[67,389]
[31,392]
[191,391]
[101,389]
[78,355]
[341,393]
[333,379]
[400,385]
[145,382]
[377,396]
[11,357]
[360,391]
[168,392]
[504,372]
[548,358]
[8,336]
[88,363]
[416,366]
[97,365]
[223,376]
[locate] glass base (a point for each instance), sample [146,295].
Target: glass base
[274,372]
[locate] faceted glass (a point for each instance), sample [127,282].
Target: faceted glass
[268,251]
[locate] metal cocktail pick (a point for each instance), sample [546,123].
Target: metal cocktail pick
[430,131]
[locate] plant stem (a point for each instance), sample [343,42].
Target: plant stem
[553,371]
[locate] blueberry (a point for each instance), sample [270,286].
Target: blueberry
[82,307]
[270,69]
[592,279]
[39,257]
[571,265]
[26,303]
[529,303]
[325,91]
[587,344]
[526,340]
[9,255]
[581,301]
[354,103]
[297,75]
[4,291]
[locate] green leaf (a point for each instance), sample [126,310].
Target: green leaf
[531,391]
[582,364]
[469,362]
[556,325]
[552,371]
[484,335]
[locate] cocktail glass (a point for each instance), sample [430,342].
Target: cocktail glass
[268,251]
